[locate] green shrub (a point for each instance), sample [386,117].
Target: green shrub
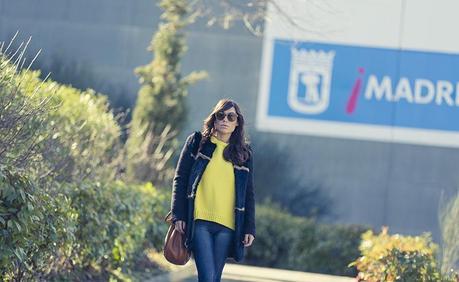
[410,266]
[99,228]
[22,119]
[398,258]
[85,135]
[36,228]
[63,214]
[277,233]
[55,131]
[298,243]
[115,223]
[327,248]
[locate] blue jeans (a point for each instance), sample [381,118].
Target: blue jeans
[211,244]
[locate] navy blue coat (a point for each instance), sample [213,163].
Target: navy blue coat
[190,168]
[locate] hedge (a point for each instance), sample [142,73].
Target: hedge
[90,228]
[55,131]
[37,229]
[299,243]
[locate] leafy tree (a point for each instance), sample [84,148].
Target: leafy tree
[160,111]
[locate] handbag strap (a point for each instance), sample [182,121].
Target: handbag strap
[168,217]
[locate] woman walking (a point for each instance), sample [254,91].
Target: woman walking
[213,198]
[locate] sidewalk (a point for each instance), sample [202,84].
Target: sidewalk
[235,272]
[243,273]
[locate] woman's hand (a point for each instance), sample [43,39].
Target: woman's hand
[180,226]
[248,239]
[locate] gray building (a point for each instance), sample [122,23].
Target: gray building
[97,44]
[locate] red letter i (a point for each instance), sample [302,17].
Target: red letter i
[352,101]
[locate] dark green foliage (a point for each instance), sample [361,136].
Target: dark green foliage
[115,223]
[37,228]
[62,216]
[298,243]
[90,226]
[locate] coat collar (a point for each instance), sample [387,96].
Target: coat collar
[208,149]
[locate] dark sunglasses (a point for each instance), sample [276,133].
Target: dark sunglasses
[221,116]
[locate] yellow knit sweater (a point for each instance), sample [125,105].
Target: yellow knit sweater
[215,194]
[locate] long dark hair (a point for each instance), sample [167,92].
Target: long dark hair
[238,150]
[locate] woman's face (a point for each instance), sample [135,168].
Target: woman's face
[228,123]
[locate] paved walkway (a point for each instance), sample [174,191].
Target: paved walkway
[243,273]
[236,272]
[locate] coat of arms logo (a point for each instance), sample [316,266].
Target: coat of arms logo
[310,80]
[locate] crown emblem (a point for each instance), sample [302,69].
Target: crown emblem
[313,57]
[310,80]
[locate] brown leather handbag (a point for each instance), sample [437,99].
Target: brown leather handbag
[174,244]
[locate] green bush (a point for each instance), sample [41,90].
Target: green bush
[36,228]
[115,223]
[327,248]
[90,227]
[398,258]
[55,131]
[298,243]
[85,137]
[277,233]
[22,119]
[62,215]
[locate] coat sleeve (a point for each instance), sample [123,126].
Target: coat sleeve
[179,203]
[249,221]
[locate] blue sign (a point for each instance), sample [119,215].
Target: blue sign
[364,86]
